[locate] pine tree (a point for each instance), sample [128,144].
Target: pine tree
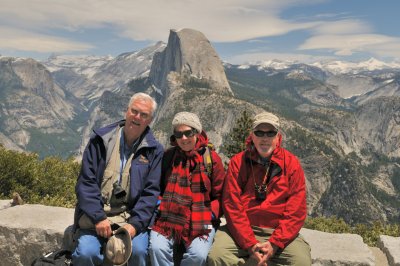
[236,138]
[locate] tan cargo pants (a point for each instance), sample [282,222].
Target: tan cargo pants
[225,252]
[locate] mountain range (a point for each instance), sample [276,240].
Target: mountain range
[341,119]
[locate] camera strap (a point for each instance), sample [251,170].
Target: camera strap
[112,175]
[261,189]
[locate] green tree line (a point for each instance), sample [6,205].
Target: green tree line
[50,181]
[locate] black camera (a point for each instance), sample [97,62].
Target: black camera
[118,191]
[261,194]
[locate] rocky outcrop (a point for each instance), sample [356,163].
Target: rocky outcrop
[378,125]
[338,249]
[48,97]
[31,103]
[387,88]
[8,143]
[29,231]
[190,55]
[348,85]
[391,247]
[373,126]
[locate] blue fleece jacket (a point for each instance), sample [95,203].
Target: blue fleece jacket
[145,175]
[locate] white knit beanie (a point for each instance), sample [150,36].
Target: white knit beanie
[188,119]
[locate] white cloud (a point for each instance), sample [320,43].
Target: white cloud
[223,20]
[386,49]
[20,40]
[347,44]
[258,41]
[343,26]
[36,23]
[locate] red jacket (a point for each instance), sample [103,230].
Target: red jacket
[284,208]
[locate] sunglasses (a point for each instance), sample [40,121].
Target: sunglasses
[260,133]
[188,133]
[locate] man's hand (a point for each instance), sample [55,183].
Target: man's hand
[268,249]
[103,228]
[257,254]
[131,230]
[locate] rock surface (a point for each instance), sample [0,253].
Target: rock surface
[337,249]
[391,247]
[189,53]
[380,257]
[29,231]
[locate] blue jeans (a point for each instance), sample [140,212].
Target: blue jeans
[161,250]
[89,251]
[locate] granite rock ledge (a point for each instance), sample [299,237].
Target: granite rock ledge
[28,231]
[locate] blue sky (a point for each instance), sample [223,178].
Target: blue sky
[241,31]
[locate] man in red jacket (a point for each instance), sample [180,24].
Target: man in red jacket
[264,201]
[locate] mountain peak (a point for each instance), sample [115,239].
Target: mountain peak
[190,54]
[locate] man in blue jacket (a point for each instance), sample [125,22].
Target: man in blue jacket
[118,184]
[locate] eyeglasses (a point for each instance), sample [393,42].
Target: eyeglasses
[188,133]
[260,133]
[141,114]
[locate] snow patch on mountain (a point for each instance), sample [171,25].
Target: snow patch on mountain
[262,65]
[87,65]
[342,67]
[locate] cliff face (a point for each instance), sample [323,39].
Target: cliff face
[373,126]
[378,125]
[31,103]
[189,54]
[37,82]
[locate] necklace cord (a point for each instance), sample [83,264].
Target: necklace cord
[263,184]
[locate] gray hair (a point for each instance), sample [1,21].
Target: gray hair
[146,98]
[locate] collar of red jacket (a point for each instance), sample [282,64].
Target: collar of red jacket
[277,154]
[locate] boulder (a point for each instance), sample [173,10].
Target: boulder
[380,257]
[391,247]
[337,249]
[189,54]
[4,204]
[29,231]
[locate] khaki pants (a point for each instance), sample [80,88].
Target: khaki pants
[224,250]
